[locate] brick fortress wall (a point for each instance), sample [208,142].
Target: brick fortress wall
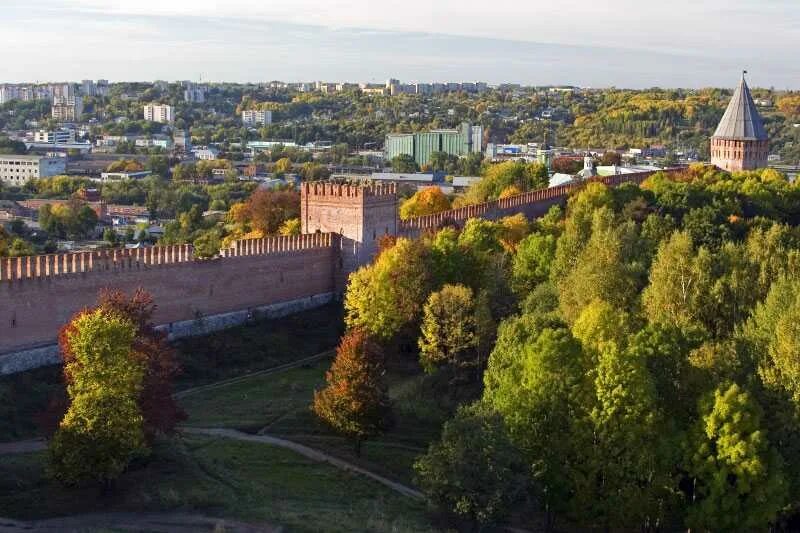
[532,204]
[39,294]
[341,227]
[360,214]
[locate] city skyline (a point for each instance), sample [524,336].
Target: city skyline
[574,43]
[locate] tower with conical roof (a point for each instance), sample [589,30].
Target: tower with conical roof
[740,141]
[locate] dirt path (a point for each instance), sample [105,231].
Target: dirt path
[311,453]
[155,522]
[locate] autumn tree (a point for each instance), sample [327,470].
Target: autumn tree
[283,165]
[265,211]
[385,298]
[103,429]
[512,230]
[160,411]
[355,402]
[291,226]
[426,201]
[567,165]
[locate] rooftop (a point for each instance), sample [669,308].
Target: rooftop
[741,121]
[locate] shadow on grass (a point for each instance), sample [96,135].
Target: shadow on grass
[224,478]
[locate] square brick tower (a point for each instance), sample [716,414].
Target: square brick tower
[361,214]
[740,141]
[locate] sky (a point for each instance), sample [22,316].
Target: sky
[590,43]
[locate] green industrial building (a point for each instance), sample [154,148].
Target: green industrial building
[459,142]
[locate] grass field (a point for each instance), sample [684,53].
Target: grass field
[214,357]
[259,345]
[217,477]
[251,482]
[279,404]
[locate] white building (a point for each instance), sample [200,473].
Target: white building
[256,118]
[67,108]
[205,153]
[156,141]
[62,136]
[106,177]
[19,169]
[165,114]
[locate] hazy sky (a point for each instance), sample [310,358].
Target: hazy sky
[626,43]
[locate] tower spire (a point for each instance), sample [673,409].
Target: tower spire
[740,142]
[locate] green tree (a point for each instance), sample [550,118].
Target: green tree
[454,328]
[537,380]
[103,429]
[386,298]
[355,401]
[110,236]
[774,330]
[739,483]
[630,471]
[473,471]
[531,266]
[677,280]
[601,271]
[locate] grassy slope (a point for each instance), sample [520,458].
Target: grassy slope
[279,404]
[205,359]
[223,478]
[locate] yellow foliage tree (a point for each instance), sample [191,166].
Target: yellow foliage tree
[509,191]
[512,230]
[426,201]
[283,165]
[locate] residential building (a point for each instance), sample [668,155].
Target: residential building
[64,91]
[740,141]
[459,142]
[91,88]
[377,90]
[121,176]
[194,94]
[9,93]
[19,169]
[88,88]
[256,118]
[205,153]
[164,114]
[156,141]
[67,108]
[182,141]
[61,136]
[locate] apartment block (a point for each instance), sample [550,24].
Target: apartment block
[164,114]
[17,170]
[256,118]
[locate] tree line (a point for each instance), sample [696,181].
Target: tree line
[628,362]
